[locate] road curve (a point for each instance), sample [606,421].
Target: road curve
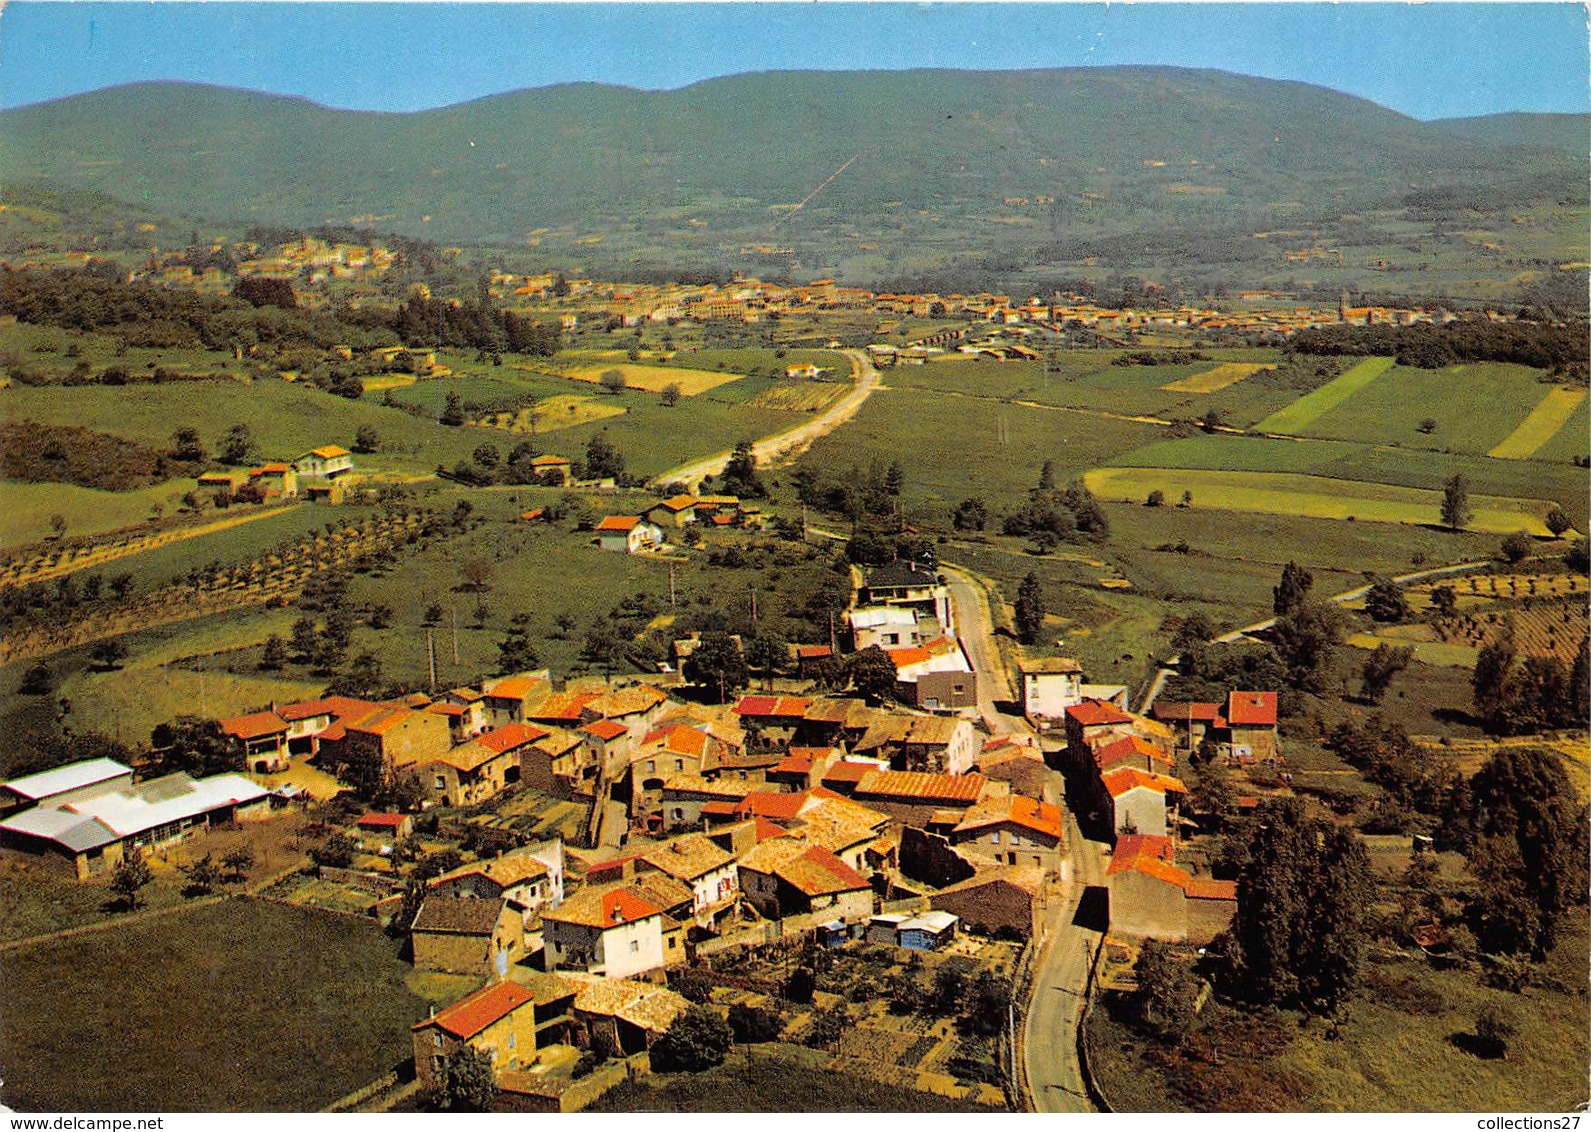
[792,442]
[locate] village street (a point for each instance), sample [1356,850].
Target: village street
[1049,1046]
[792,442]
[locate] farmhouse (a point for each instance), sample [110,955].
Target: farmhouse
[708,872]
[934,676]
[930,743]
[787,877]
[1012,829]
[628,534]
[463,935]
[91,826]
[526,880]
[325,463]
[1151,896]
[498,1020]
[913,797]
[274,481]
[1141,802]
[262,738]
[1008,901]
[611,930]
[552,471]
[480,769]
[1251,726]
[509,699]
[678,511]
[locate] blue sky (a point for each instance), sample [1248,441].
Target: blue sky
[1426,60]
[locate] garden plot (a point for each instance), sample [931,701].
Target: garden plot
[1223,375]
[654,379]
[551,414]
[1543,423]
[1307,409]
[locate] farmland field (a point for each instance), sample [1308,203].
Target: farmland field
[551,414]
[299,1008]
[654,379]
[1285,493]
[1543,423]
[1227,373]
[1562,483]
[1307,409]
[1572,441]
[1392,408]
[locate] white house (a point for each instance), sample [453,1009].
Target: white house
[611,931]
[326,462]
[628,534]
[1050,685]
[887,626]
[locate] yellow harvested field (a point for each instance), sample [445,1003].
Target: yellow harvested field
[1540,425]
[1227,373]
[1319,497]
[654,379]
[552,414]
[807,397]
[1439,653]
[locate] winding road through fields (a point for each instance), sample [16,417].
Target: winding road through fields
[792,442]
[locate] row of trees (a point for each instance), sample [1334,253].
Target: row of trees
[1561,349]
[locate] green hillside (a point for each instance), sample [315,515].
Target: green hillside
[1570,133]
[947,163]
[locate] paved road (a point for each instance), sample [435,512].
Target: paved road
[1055,1075]
[975,628]
[792,442]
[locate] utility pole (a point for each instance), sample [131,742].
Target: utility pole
[753,611]
[430,656]
[671,583]
[455,638]
[803,521]
[833,648]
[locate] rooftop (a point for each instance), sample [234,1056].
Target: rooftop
[920,785]
[73,776]
[1251,709]
[603,908]
[457,915]
[1094,713]
[473,1013]
[1049,666]
[253,726]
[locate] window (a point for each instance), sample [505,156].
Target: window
[441,782]
[679,764]
[512,1041]
[436,1039]
[635,945]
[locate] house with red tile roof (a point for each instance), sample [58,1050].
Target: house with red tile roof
[913,797]
[628,534]
[552,471]
[1130,750]
[389,736]
[608,744]
[934,744]
[480,769]
[1251,726]
[702,866]
[1151,895]
[1006,900]
[260,739]
[677,511]
[499,1020]
[608,930]
[787,877]
[1013,830]
[526,879]
[511,699]
[1140,801]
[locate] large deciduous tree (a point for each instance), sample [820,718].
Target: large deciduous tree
[1455,502]
[697,1039]
[1302,897]
[1527,848]
[718,665]
[1029,612]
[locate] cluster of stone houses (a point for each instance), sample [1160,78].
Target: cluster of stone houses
[320,475]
